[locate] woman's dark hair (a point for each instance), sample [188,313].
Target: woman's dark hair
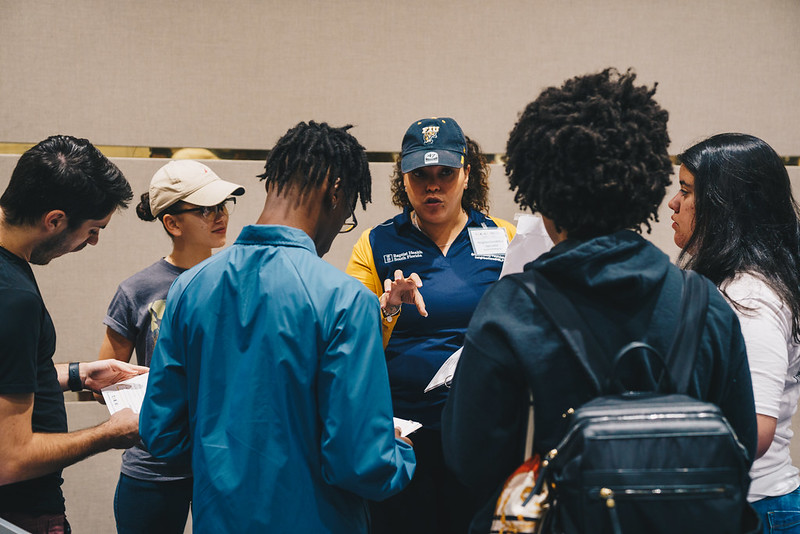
[746,219]
[592,155]
[64,173]
[143,208]
[476,195]
[144,213]
[310,153]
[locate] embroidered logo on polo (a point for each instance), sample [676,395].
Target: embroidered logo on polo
[431,158]
[429,133]
[402,256]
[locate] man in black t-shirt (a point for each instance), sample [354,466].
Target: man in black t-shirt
[61,194]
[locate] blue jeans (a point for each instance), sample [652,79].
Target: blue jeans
[147,506]
[780,514]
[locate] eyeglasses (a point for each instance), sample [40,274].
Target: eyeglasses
[225,207]
[349,225]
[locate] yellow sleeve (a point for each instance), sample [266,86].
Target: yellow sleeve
[511,230]
[362,267]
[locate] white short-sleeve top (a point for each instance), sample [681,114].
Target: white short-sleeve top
[774,360]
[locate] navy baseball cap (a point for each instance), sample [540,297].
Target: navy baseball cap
[434,141]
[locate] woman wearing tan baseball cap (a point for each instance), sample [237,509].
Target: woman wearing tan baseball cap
[193,204]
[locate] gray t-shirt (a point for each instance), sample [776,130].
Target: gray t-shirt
[135,313]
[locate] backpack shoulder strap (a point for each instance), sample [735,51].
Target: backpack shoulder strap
[691,323]
[572,327]
[579,337]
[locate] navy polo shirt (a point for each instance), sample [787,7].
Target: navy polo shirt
[452,286]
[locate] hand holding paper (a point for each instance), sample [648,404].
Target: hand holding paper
[126,394]
[406,426]
[102,373]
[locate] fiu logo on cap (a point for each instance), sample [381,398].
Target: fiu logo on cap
[429,134]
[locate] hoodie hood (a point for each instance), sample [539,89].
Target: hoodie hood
[620,268]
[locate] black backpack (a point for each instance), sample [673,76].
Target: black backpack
[643,462]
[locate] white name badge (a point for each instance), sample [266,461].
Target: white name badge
[488,241]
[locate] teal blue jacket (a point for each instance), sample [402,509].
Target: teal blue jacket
[269,372]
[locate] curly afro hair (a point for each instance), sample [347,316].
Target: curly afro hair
[476,196]
[592,155]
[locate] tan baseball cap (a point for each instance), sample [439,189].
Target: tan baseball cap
[189,181]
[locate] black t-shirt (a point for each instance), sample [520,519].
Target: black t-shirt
[27,344]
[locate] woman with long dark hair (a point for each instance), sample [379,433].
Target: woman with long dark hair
[737,223]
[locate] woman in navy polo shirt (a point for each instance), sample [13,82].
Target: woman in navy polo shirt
[432,262]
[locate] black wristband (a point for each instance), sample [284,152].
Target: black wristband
[74,381]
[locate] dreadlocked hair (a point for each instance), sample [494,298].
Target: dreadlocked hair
[310,153]
[476,195]
[592,155]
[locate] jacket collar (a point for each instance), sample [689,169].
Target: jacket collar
[273,234]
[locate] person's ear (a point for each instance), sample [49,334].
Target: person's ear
[172,225]
[55,221]
[333,193]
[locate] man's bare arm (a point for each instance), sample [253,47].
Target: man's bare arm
[99,374]
[25,454]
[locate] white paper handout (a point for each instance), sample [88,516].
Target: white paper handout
[406,426]
[530,242]
[126,394]
[444,375]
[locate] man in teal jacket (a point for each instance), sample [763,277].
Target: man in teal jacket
[269,369]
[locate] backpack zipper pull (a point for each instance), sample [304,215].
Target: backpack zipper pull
[607,495]
[541,480]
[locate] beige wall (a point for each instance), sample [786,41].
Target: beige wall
[78,287]
[238,74]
